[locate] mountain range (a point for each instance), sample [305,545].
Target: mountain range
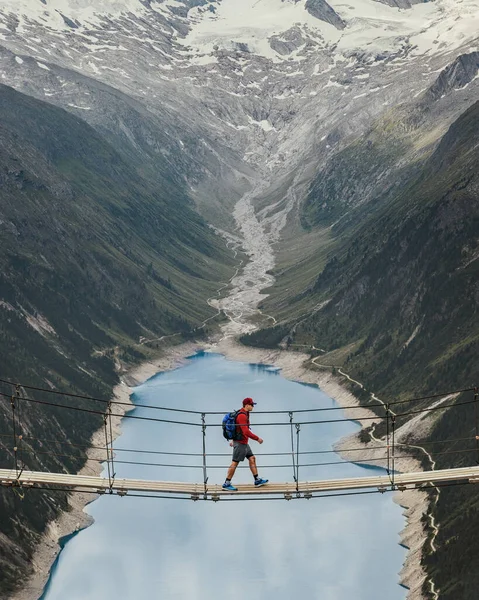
[333,144]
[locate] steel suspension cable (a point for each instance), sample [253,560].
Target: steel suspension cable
[280,466]
[158,452]
[117,402]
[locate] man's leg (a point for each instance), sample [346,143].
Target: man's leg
[258,481]
[231,471]
[252,466]
[239,452]
[227,485]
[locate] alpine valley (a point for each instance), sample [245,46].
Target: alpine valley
[147,146]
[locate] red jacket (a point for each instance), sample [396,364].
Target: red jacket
[242,420]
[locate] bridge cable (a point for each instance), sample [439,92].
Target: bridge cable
[137,451]
[170,421]
[269,424]
[282,466]
[84,397]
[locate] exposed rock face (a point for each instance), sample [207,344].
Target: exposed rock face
[321,10]
[457,75]
[402,3]
[288,42]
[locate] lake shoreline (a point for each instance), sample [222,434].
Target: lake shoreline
[76,518]
[293,366]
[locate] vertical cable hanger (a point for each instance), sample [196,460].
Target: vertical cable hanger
[393,426]
[298,429]
[20,428]
[476,411]
[388,440]
[292,447]
[17,441]
[205,474]
[111,442]
[14,432]
[109,447]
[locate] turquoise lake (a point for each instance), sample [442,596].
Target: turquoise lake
[337,548]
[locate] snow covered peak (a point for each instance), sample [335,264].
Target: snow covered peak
[275,29]
[370,26]
[270,80]
[250,24]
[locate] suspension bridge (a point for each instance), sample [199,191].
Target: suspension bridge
[303,489]
[24,449]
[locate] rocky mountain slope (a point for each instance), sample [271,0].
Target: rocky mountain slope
[95,258]
[397,306]
[333,141]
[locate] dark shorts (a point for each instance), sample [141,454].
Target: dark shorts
[241,451]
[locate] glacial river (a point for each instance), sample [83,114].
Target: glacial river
[338,548]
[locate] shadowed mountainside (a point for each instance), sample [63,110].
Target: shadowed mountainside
[93,256]
[399,299]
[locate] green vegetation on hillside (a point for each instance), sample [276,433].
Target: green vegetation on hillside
[400,313]
[94,256]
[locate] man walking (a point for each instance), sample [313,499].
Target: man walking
[241,448]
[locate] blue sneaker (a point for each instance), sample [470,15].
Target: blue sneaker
[229,487]
[259,482]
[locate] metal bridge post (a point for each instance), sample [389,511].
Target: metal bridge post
[393,422]
[292,447]
[298,429]
[476,410]
[14,432]
[109,447]
[205,473]
[388,440]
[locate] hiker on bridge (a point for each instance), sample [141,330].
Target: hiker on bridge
[241,447]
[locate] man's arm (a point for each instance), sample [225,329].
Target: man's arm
[242,422]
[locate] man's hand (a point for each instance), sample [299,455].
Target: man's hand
[231,443]
[260,440]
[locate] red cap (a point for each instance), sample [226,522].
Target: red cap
[248,401]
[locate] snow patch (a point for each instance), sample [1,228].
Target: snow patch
[264,124]
[79,107]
